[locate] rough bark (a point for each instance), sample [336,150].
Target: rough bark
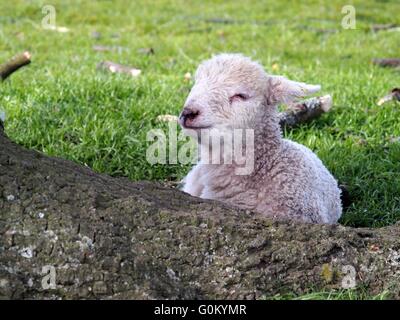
[112,238]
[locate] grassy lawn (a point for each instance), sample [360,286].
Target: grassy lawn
[63,106]
[344,294]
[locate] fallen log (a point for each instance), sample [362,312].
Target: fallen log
[14,64]
[67,232]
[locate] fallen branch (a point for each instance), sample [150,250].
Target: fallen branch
[111,238]
[226,21]
[14,64]
[146,51]
[317,30]
[305,111]
[383,27]
[101,48]
[390,62]
[118,68]
[394,95]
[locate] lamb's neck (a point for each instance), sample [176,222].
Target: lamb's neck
[257,148]
[267,136]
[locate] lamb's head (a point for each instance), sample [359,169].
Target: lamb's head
[231,90]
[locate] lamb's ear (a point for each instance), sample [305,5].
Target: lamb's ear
[282,90]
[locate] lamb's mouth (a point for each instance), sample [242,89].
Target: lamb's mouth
[196,128]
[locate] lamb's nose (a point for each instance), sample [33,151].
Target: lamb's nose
[188,114]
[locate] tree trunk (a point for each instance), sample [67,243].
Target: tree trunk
[104,237]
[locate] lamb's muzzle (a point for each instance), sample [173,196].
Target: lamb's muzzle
[188,117]
[288,180]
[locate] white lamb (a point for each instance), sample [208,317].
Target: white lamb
[288,180]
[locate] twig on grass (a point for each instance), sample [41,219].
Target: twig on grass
[388,62]
[383,27]
[118,68]
[394,95]
[305,111]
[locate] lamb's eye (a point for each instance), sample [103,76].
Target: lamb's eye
[238,96]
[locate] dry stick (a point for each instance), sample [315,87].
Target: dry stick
[118,68]
[146,51]
[305,111]
[382,27]
[14,64]
[394,95]
[389,62]
[101,48]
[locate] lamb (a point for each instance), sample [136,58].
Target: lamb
[287,181]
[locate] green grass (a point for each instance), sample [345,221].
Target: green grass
[63,106]
[344,294]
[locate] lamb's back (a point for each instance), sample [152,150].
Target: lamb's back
[301,186]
